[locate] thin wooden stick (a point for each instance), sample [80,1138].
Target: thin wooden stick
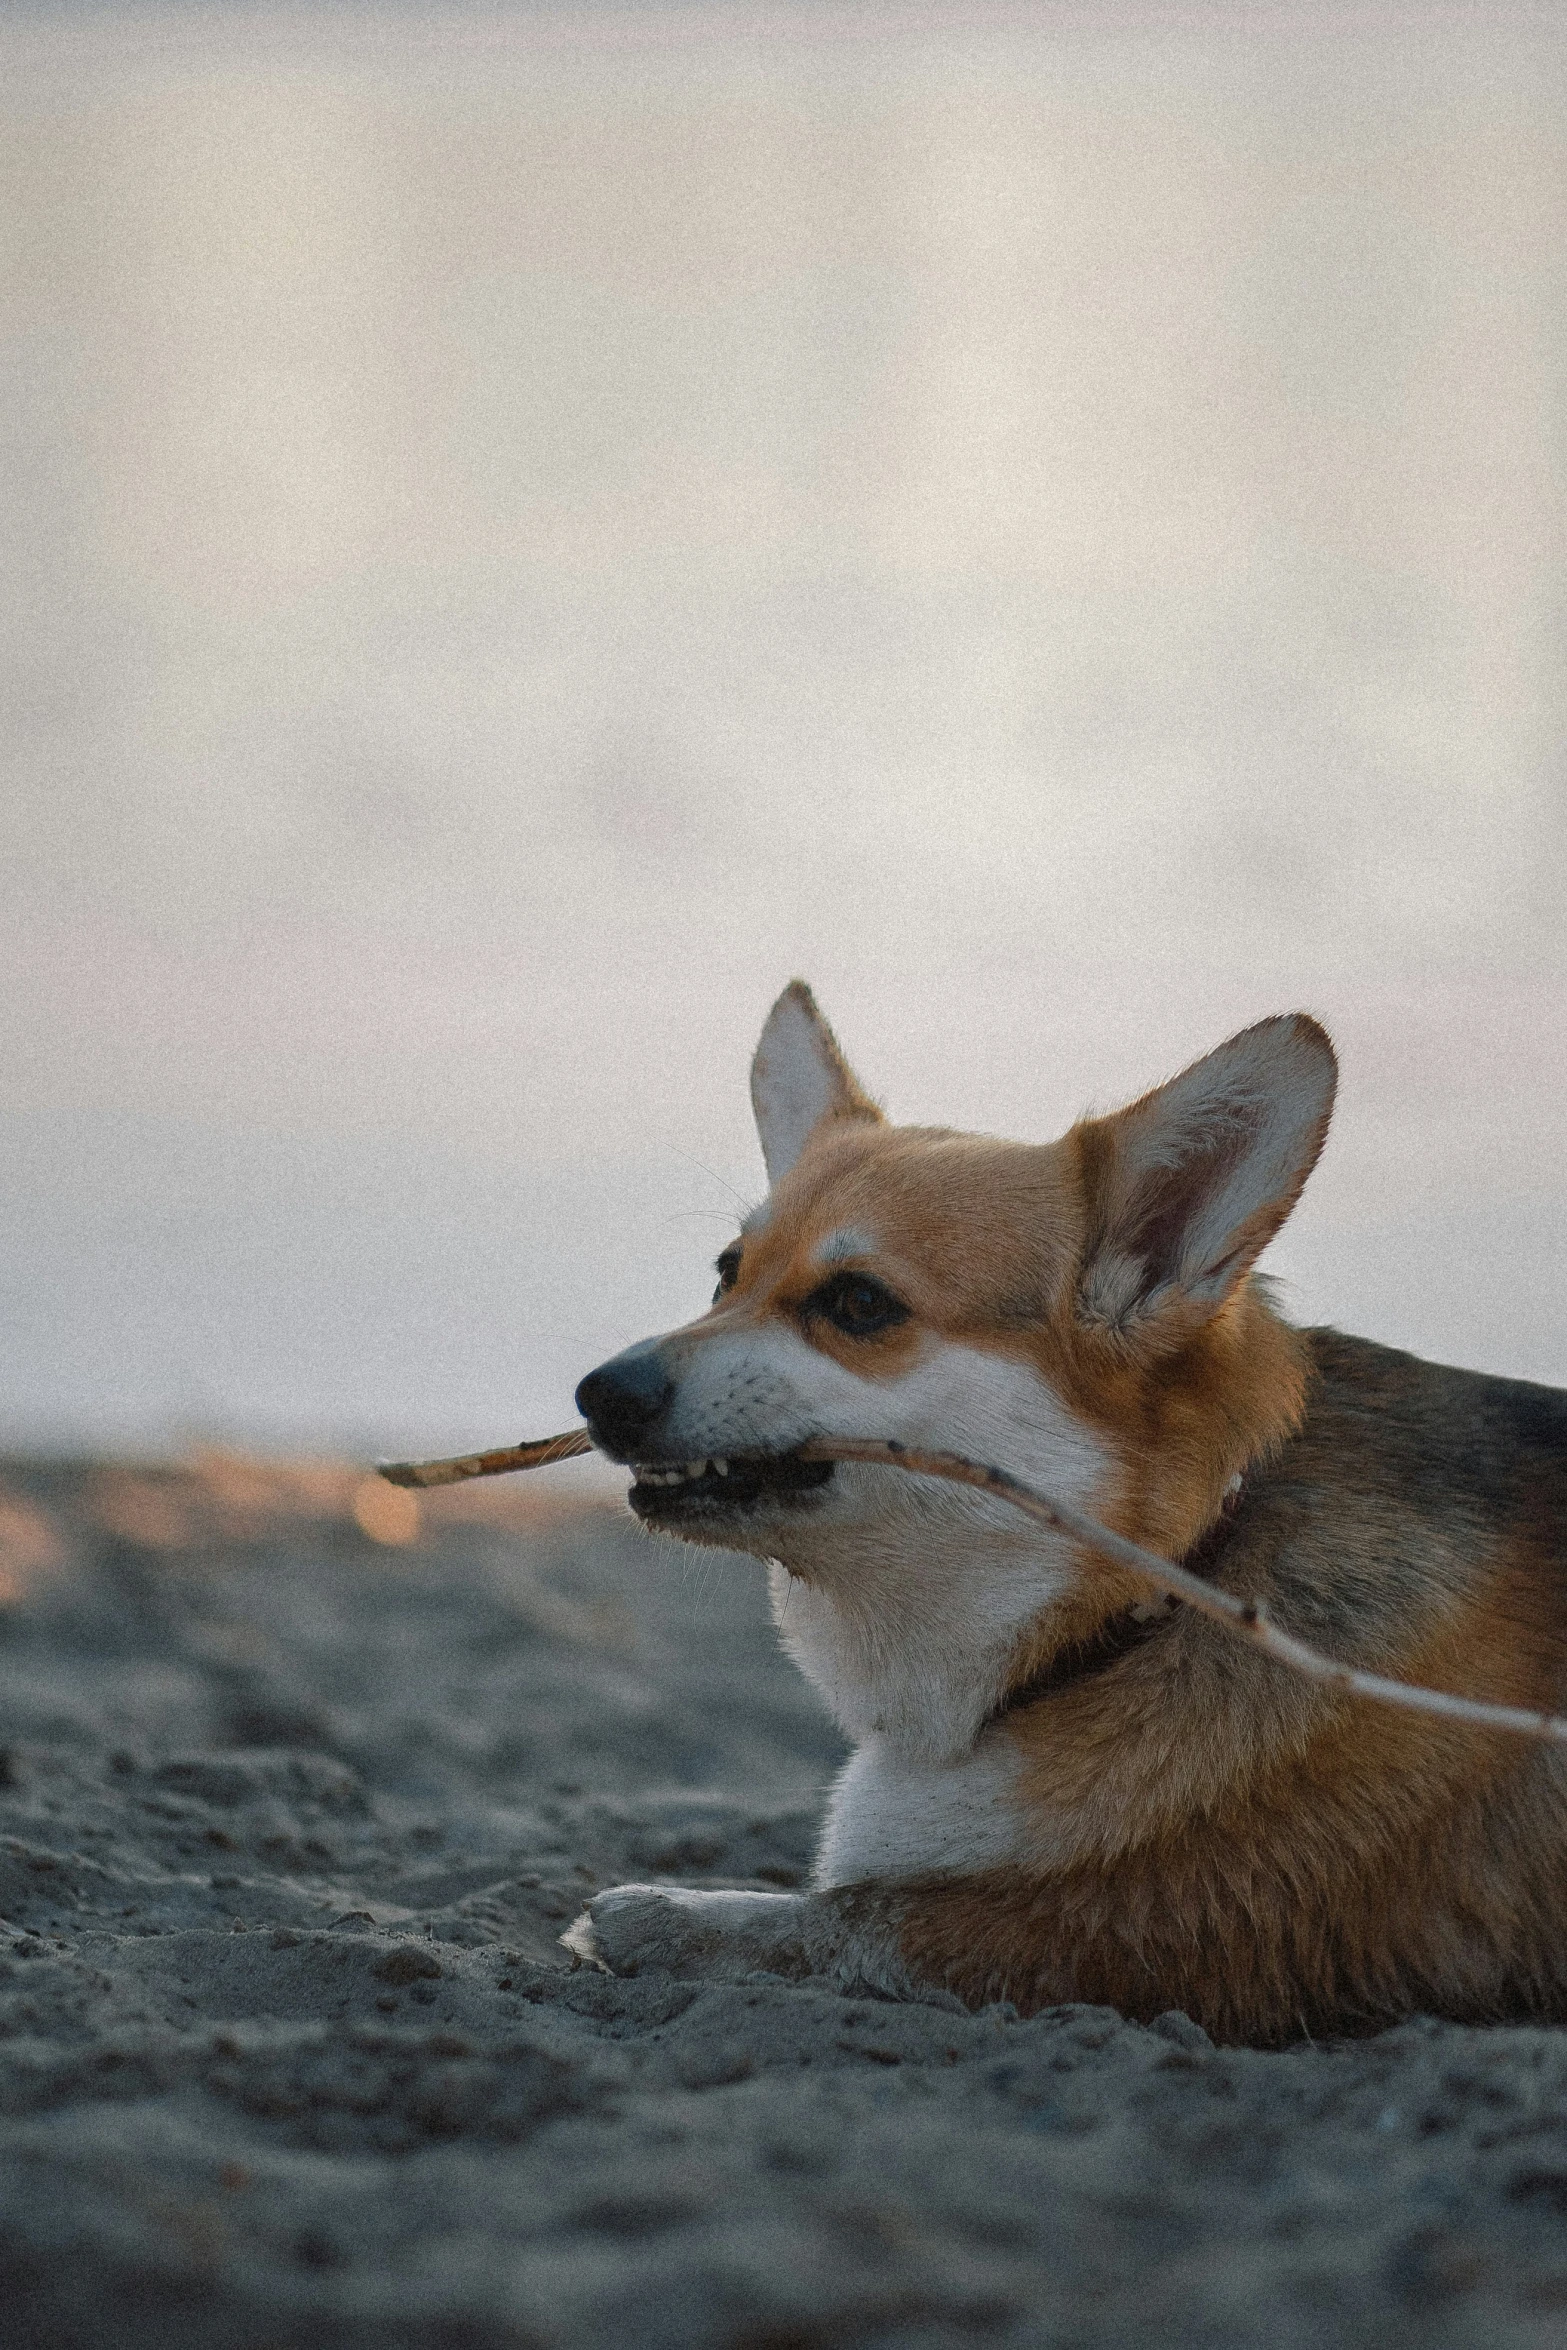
[1245,1618]
[489,1464]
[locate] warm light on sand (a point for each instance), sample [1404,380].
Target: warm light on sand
[30,1546]
[385,1512]
[216,1499]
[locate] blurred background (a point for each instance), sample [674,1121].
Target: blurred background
[523,528]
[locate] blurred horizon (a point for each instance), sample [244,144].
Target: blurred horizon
[528,527]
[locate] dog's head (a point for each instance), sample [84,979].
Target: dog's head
[1075,1312]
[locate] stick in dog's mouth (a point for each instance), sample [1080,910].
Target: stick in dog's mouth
[500,1463]
[662,1490]
[1245,1618]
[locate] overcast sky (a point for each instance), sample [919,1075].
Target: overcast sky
[522,531]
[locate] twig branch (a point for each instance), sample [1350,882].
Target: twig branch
[489,1464]
[1245,1618]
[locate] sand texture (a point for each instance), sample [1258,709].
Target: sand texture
[291,1817]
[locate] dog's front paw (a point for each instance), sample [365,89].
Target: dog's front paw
[628,1928]
[581,1939]
[673,1930]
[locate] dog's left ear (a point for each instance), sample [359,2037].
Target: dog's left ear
[1187,1186]
[798,1078]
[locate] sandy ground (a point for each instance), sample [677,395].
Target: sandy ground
[291,1816]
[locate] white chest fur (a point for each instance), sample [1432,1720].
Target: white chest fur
[909,1653]
[908,1598]
[894,1817]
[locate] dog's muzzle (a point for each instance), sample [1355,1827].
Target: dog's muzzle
[627,1405]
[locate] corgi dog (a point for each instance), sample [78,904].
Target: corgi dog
[1059,1791]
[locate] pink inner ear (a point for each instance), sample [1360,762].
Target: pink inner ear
[1169,1201]
[1202,1173]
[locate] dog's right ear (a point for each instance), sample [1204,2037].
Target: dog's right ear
[798,1078]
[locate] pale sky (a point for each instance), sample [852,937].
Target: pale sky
[523,530]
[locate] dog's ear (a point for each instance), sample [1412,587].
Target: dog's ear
[798,1078]
[1187,1186]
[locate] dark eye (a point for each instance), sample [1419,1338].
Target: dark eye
[728,1272]
[857,1305]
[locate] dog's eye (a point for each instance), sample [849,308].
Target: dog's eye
[728,1272]
[857,1305]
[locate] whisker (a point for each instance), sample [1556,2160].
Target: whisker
[744,1204]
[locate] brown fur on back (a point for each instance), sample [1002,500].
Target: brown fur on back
[1274,1859]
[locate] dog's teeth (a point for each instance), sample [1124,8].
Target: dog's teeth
[696,1468]
[720,1467]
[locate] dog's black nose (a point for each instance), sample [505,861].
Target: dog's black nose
[624,1398]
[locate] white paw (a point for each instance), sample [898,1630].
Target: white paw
[671,1929]
[582,1941]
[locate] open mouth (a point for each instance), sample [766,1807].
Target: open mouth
[667,1490]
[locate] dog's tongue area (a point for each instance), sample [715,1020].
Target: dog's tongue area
[724,1483]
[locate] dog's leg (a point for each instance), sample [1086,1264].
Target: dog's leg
[848,1937]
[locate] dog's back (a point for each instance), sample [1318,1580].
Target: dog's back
[1271,1858]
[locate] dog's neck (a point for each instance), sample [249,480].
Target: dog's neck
[1086,1659]
[917,1610]
[922,1646]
